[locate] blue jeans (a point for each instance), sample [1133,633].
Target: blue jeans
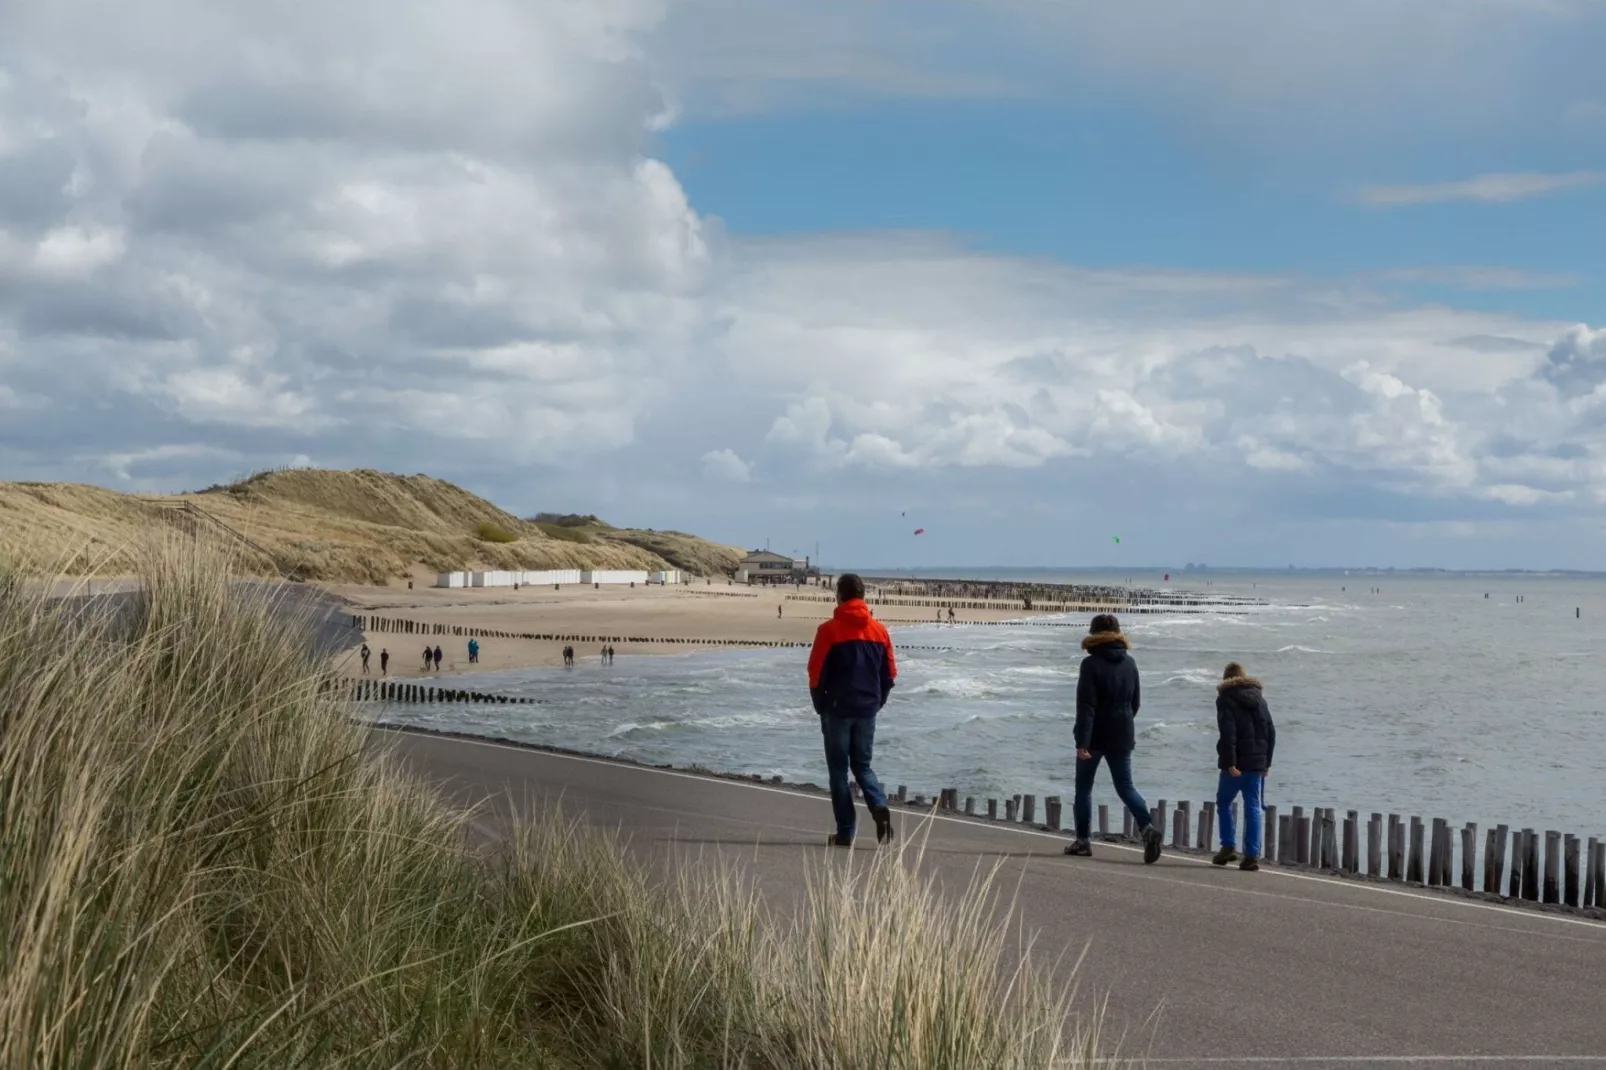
[1120,775]
[849,742]
[1252,786]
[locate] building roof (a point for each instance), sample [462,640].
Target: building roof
[765,555]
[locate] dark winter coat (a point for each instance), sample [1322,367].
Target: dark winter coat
[1248,737]
[852,667]
[1107,695]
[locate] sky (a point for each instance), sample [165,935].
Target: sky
[1251,283]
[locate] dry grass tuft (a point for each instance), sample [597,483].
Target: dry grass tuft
[204,862]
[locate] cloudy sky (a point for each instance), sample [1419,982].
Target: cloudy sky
[1250,282]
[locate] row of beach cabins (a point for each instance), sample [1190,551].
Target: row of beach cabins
[557,578]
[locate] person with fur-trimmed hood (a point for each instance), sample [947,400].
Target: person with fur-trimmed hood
[1243,754]
[1107,695]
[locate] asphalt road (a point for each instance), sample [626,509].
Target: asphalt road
[1202,967]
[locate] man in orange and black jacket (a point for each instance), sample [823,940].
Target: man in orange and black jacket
[851,673]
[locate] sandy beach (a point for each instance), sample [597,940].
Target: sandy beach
[682,613]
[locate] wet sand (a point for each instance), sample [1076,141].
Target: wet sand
[691,612]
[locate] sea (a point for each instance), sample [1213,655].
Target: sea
[1467,697]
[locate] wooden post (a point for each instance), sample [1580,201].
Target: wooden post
[1126,823]
[1330,842]
[1301,838]
[1051,807]
[970,804]
[1182,827]
[1552,867]
[1436,853]
[1028,810]
[1599,869]
[1104,820]
[1207,826]
[1413,865]
[1297,824]
[1569,870]
[1519,854]
[1469,851]
[1268,846]
[1531,884]
[1352,842]
[1491,878]
[1374,846]
[1396,849]
[992,809]
[1157,816]
[1600,874]
[1589,872]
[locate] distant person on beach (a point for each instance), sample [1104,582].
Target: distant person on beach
[851,673]
[778,612]
[437,659]
[1243,754]
[950,616]
[364,652]
[428,656]
[473,651]
[384,662]
[1107,698]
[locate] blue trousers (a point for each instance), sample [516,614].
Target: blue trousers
[1120,775]
[1252,787]
[849,745]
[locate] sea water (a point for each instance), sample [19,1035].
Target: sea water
[1424,698]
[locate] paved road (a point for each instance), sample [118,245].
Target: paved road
[1274,969]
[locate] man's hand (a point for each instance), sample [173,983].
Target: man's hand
[1234,771]
[1083,752]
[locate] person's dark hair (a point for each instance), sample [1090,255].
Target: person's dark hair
[848,587]
[1233,671]
[1104,622]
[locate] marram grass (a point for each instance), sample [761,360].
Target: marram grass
[204,862]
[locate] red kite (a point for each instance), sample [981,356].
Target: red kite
[920,531]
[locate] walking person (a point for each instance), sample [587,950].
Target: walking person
[851,672]
[1107,699]
[428,655]
[473,651]
[364,652]
[384,662]
[1243,754]
[437,658]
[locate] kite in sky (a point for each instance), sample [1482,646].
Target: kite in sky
[1117,539]
[920,531]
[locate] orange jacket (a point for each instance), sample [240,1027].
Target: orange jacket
[852,667]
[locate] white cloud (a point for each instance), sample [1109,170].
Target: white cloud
[726,466]
[1486,189]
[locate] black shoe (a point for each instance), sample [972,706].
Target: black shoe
[834,840]
[1250,864]
[1152,841]
[1079,849]
[883,824]
[1225,856]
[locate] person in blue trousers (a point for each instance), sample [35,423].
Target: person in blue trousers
[1243,754]
[1108,693]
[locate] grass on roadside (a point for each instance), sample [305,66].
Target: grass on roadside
[204,862]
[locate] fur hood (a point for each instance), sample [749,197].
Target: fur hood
[1240,681]
[1103,638]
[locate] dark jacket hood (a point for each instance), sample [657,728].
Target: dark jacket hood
[1233,682]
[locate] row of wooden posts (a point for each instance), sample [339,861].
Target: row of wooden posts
[400,691]
[1058,607]
[1549,867]
[393,625]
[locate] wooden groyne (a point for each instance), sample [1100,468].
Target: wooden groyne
[403,691]
[403,626]
[1172,606]
[1523,864]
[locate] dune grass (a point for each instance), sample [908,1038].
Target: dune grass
[205,863]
